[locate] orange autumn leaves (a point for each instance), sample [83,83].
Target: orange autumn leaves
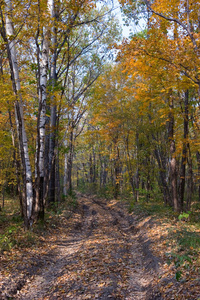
[154,69]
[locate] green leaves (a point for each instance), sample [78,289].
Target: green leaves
[184,216]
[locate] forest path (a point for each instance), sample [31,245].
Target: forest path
[100,253]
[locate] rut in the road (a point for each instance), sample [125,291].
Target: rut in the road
[100,257]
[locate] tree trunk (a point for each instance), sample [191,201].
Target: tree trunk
[57,184]
[65,173]
[184,152]
[148,185]
[105,172]
[46,159]
[23,143]
[117,174]
[40,149]
[77,178]
[172,163]
[94,166]
[70,162]
[91,169]
[101,170]
[162,179]
[16,164]
[137,176]
[52,143]
[198,163]
[129,167]
[189,190]
[173,176]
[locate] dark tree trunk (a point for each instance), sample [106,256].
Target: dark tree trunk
[137,176]
[52,183]
[162,179]
[148,186]
[184,152]
[105,172]
[77,178]
[173,163]
[129,168]
[189,181]
[94,166]
[41,200]
[46,156]
[3,196]
[198,163]
[17,164]
[70,162]
[57,184]
[91,169]
[137,184]
[117,175]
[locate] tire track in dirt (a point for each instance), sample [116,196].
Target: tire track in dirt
[101,256]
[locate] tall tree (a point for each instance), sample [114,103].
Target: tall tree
[8,36]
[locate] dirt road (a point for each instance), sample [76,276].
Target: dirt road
[100,253]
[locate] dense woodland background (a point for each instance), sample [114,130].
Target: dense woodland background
[99,149]
[82,109]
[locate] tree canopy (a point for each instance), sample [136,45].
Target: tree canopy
[74,113]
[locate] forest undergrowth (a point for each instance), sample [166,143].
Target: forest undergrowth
[97,248]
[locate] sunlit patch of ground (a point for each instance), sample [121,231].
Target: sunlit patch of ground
[177,243]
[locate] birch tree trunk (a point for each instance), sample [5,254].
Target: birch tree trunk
[40,153]
[52,143]
[23,143]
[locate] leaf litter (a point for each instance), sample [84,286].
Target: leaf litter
[100,252]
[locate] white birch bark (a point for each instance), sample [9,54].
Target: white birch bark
[43,98]
[20,123]
[51,7]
